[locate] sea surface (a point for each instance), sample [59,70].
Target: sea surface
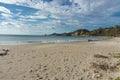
[28,39]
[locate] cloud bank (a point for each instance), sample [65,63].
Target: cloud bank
[48,16]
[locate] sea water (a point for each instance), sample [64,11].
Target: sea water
[27,39]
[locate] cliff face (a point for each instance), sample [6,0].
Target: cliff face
[80,32]
[111,31]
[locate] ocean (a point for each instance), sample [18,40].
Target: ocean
[28,39]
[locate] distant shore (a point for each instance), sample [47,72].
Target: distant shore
[73,61]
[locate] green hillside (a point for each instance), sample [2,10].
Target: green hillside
[110,31]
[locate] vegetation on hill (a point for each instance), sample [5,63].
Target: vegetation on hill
[111,31]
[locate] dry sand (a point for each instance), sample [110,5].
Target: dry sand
[73,61]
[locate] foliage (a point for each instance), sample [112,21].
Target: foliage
[118,78]
[109,31]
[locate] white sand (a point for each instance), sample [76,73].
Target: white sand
[59,61]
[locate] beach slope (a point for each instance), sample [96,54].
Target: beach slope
[95,60]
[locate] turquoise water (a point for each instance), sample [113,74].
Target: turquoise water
[26,39]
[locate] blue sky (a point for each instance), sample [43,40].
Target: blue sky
[38,17]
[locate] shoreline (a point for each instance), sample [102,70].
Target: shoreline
[73,61]
[68,42]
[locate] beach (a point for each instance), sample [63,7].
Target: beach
[92,60]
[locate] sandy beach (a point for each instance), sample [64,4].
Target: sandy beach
[71,61]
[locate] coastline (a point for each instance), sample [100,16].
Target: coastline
[55,42]
[69,61]
[21,40]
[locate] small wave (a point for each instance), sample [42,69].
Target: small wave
[60,41]
[16,40]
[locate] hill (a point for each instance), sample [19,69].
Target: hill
[111,31]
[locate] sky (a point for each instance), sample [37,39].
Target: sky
[39,17]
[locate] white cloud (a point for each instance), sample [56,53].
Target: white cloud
[6,15]
[79,13]
[13,27]
[77,6]
[20,27]
[7,1]
[5,10]
[34,17]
